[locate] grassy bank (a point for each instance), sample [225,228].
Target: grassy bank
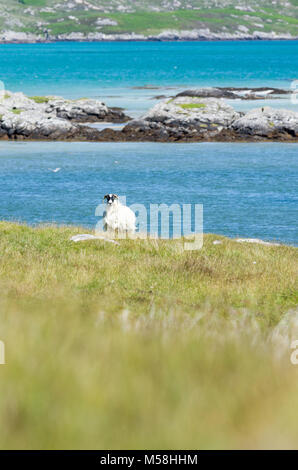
[148,23]
[39,15]
[145,345]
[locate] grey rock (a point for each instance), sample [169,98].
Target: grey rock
[201,34]
[85,110]
[79,110]
[28,124]
[257,241]
[52,117]
[192,112]
[194,119]
[207,93]
[267,122]
[235,93]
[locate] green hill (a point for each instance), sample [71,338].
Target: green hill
[50,18]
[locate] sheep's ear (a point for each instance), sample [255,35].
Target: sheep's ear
[105,197]
[115,196]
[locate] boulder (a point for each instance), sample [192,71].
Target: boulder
[191,115]
[208,92]
[10,101]
[38,126]
[267,122]
[235,93]
[52,117]
[84,110]
[195,119]
[29,124]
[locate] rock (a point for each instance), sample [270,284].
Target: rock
[85,110]
[87,237]
[145,87]
[31,125]
[193,113]
[82,110]
[195,119]
[10,101]
[257,241]
[181,119]
[235,93]
[208,93]
[52,118]
[201,34]
[38,126]
[159,97]
[105,22]
[267,122]
[19,37]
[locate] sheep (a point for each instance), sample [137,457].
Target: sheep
[118,218]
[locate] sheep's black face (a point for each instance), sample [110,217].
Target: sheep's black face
[110,198]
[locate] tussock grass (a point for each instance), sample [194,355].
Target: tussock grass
[144,345]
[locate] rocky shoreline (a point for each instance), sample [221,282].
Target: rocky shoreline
[17,37]
[200,115]
[52,117]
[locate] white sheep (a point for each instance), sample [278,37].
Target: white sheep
[118,218]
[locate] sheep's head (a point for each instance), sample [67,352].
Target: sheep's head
[110,198]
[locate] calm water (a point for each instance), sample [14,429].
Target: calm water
[111,70]
[246,189]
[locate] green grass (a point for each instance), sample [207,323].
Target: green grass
[144,345]
[35,3]
[281,18]
[39,99]
[16,111]
[192,105]
[148,22]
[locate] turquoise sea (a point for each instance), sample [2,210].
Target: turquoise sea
[247,190]
[112,71]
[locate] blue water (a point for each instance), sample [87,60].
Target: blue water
[110,70]
[247,189]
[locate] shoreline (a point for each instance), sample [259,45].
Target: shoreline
[125,38]
[54,41]
[252,140]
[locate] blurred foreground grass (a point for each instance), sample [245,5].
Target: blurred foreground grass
[143,345]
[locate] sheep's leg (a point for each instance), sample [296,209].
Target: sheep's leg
[122,234]
[109,231]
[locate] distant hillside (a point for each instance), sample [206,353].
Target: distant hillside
[30,20]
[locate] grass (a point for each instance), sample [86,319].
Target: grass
[192,105]
[35,3]
[144,345]
[281,18]
[16,111]
[150,22]
[39,99]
